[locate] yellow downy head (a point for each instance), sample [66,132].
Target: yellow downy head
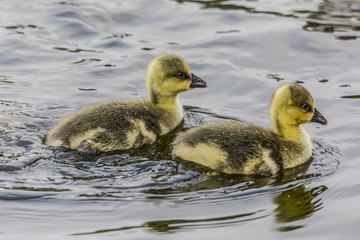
[291,106]
[169,75]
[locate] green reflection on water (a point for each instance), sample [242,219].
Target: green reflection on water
[223,5]
[178,224]
[295,204]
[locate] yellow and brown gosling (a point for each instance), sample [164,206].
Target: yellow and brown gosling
[120,125]
[244,148]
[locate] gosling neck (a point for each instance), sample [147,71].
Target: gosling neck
[166,102]
[292,132]
[171,112]
[285,127]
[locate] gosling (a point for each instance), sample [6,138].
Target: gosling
[121,125]
[248,149]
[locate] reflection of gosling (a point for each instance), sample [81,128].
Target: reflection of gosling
[243,148]
[118,125]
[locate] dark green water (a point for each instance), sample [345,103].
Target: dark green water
[59,56]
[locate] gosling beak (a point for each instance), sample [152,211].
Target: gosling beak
[318,118]
[197,82]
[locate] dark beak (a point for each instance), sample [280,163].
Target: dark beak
[318,118]
[197,82]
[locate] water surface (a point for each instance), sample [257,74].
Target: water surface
[59,56]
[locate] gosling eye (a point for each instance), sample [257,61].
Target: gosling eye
[180,75]
[306,107]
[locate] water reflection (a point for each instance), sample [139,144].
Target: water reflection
[176,224]
[338,17]
[230,5]
[173,225]
[296,203]
[351,96]
[293,203]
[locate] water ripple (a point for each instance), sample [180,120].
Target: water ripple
[59,56]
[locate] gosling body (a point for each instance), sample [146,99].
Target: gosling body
[244,148]
[120,125]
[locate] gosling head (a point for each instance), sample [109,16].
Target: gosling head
[169,75]
[293,105]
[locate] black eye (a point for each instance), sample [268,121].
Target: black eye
[306,107]
[180,75]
